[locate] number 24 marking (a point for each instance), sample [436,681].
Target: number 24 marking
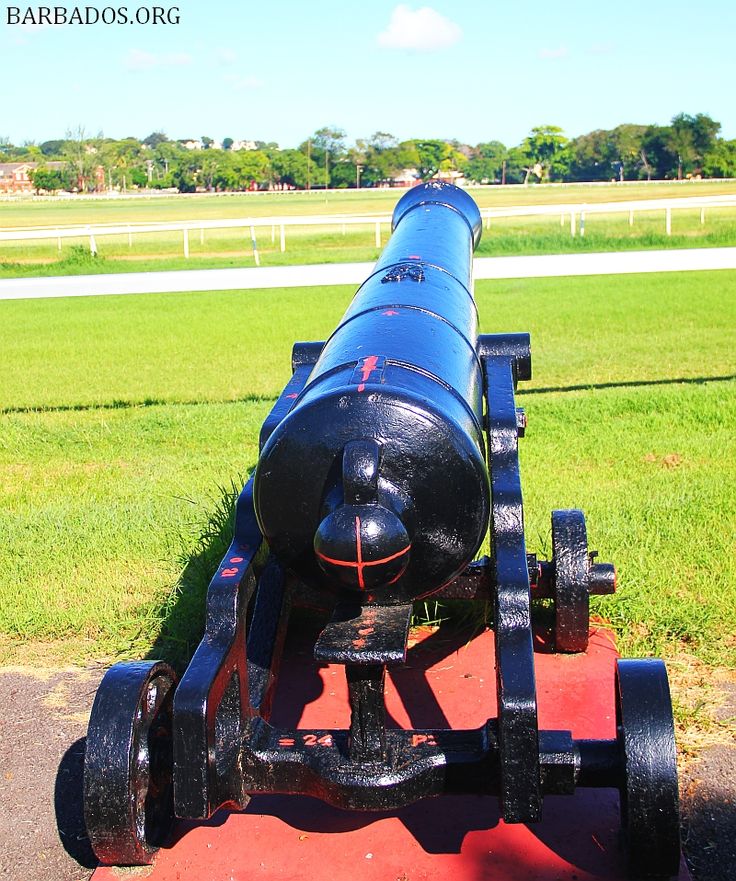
[313,740]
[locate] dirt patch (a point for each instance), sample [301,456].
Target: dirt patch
[703,700]
[671,460]
[42,727]
[708,795]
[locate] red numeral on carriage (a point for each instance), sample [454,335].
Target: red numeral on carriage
[229,573]
[418,739]
[313,740]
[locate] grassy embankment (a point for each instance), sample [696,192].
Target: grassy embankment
[227,248]
[127,421]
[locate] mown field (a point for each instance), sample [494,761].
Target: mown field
[128,423]
[49,212]
[228,248]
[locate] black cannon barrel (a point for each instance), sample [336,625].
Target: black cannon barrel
[376,481]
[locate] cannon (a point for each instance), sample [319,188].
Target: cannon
[388,457]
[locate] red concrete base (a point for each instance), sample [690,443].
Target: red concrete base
[448,682]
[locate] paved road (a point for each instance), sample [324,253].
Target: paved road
[609,263]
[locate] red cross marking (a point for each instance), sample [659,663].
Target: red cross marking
[360,564]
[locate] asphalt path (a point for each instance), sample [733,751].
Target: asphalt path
[607,263]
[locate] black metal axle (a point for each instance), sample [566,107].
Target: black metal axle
[417,763]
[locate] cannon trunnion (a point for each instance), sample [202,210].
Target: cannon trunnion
[391,452]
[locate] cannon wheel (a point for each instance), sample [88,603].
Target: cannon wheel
[128,793]
[649,793]
[570,583]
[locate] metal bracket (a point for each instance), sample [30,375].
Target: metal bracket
[521,798]
[365,635]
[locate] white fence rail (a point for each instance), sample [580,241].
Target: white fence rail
[576,211]
[247,224]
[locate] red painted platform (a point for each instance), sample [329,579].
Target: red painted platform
[449,681]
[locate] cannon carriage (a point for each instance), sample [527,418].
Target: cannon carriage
[388,457]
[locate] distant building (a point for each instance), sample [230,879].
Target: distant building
[196,144]
[244,145]
[15,177]
[407,177]
[451,177]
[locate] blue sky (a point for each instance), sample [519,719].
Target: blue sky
[278,70]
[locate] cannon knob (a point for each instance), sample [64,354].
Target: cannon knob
[362,544]
[362,547]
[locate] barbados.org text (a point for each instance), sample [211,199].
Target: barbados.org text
[86,15]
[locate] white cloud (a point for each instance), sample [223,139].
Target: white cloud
[558,52]
[226,55]
[137,59]
[601,49]
[243,83]
[423,30]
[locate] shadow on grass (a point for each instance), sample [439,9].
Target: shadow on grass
[257,398]
[119,404]
[633,383]
[183,612]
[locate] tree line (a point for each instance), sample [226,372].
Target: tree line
[690,146]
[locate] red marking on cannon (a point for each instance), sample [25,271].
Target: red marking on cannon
[359,554]
[390,312]
[367,367]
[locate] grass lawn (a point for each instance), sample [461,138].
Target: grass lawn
[232,248]
[226,248]
[49,212]
[128,424]
[235,345]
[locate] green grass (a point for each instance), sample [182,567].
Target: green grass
[101,510]
[609,232]
[222,249]
[649,466]
[48,212]
[110,510]
[232,248]
[228,248]
[234,345]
